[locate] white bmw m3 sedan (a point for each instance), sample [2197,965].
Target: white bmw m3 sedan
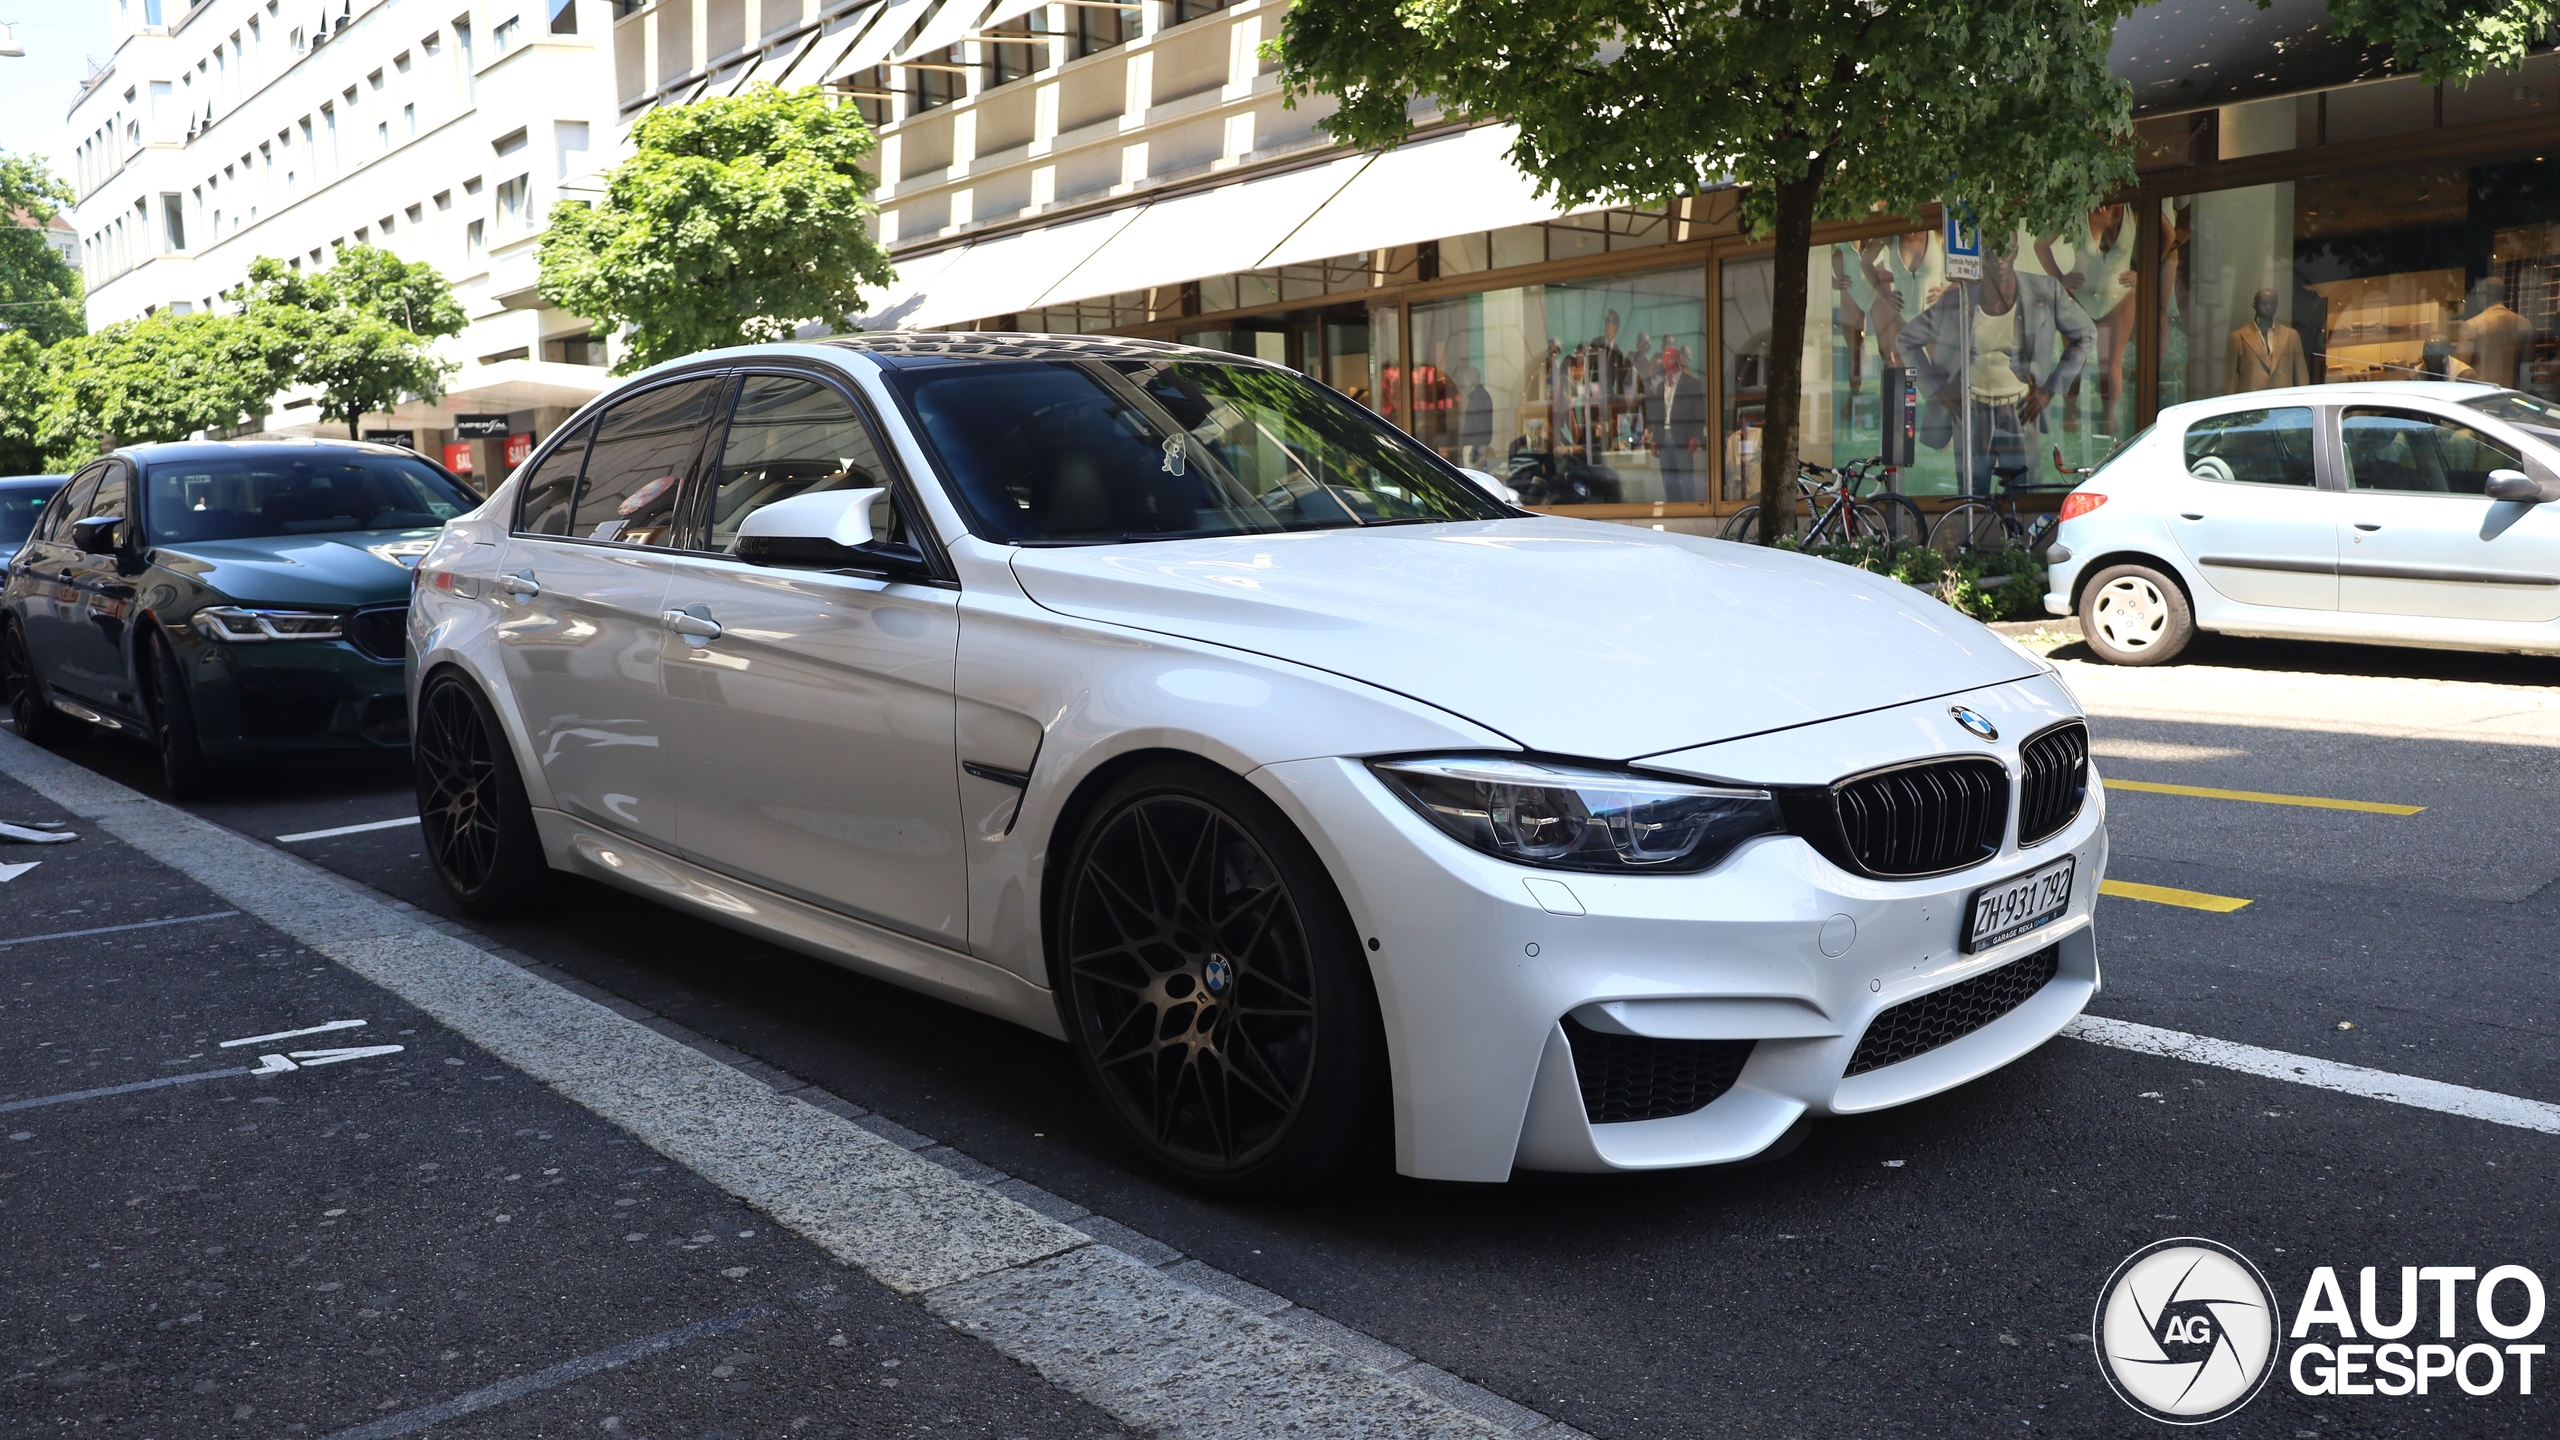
[1174,706]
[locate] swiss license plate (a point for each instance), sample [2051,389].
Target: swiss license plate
[2013,907]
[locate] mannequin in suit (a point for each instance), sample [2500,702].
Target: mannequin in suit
[2265,353]
[2496,341]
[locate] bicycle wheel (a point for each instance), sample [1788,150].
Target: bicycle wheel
[1903,522]
[1745,523]
[1858,522]
[1971,528]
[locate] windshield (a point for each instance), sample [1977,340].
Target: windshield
[1080,452]
[296,494]
[19,507]
[2540,416]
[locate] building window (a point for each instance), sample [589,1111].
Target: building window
[564,17]
[569,137]
[475,240]
[1184,11]
[935,80]
[870,94]
[1012,59]
[580,349]
[1098,29]
[173,218]
[505,35]
[515,205]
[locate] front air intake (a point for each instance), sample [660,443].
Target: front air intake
[1916,1027]
[1636,1077]
[2053,781]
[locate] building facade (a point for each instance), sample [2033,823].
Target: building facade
[441,130]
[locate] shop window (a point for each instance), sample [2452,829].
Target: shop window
[1587,392]
[2417,273]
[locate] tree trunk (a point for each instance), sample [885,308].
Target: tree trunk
[1790,293]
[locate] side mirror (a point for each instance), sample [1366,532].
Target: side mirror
[2514,485]
[1492,486]
[827,529]
[97,535]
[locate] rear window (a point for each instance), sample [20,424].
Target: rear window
[2254,447]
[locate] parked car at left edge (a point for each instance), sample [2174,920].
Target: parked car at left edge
[227,601]
[22,499]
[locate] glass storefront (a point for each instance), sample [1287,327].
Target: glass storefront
[1579,392]
[2427,272]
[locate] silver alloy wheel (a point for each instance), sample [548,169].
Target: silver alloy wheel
[2131,613]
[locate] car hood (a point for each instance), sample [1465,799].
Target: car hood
[1569,636]
[335,569]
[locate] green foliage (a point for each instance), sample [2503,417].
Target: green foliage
[739,219]
[2446,39]
[162,377]
[2002,584]
[360,330]
[39,290]
[26,384]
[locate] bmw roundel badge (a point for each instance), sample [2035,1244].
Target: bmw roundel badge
[1975,722]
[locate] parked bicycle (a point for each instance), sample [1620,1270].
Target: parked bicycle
[1829,510]
[1976,525]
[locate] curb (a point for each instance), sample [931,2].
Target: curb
[1160,1342]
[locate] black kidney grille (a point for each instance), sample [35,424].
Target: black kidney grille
[382,634]
[1916,1027]
[2055,781]
[1634,1077]
[1924,819]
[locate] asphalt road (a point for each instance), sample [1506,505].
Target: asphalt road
[1927,1271]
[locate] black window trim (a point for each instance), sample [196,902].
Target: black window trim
[694,533]
[587,417]
[57,510]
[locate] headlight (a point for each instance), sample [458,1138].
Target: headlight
[234,625]
[1567,817]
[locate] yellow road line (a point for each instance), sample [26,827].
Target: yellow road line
[2164,895]
[2261,797]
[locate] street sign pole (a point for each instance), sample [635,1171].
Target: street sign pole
[1964,266]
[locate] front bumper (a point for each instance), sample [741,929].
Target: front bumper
[310,696]
[1476,976]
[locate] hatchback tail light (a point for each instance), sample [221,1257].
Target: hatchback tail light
[2081,502]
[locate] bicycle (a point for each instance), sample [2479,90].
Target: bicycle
[1831,511]
[1978,525]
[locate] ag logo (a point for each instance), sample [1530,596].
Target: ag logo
[2186,1331]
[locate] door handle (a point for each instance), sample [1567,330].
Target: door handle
[523,586]
[693,622]
[2190,515]
[2368,529]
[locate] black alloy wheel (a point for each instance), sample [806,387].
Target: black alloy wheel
[1215,989]
[29,706]
[471,803]
[173,722]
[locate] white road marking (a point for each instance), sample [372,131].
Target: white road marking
[289,1034]
[347,830]
[12,872]
[310,1058]
[2320,1074]
[112,929]
[273,1065]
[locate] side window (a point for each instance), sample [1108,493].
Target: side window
[73,504]
[790,436]
[110,498]
[637,462]
[551,492]
[2254,447]
[2423,454]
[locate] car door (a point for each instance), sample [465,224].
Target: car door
[89,662]
[2420,538]
[815,727]
[49,607]
[2251,511]
[580,585]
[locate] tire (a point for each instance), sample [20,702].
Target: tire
[1903,522]
[1861,523]
[173,724]
[1971,528]
[29,705]
[471,803]
[2134,615]
[1740,526]
[1214,988]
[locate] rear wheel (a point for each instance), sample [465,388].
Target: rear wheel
[29,705]
[1903,522]
[1971,528]
[1215,989]
[173,724]
[471,803]
[2134,615]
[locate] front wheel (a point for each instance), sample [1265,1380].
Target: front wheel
[1215,989]
[2134,615]
[173,725]
[471,803]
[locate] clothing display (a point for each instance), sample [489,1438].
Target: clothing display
[2496,342]
[2266,359]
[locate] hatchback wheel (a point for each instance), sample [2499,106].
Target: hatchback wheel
[2134,615]
[471,803]
[1215,989]
[29,706]
[173,724]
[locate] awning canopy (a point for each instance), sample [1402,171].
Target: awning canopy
[1209,232]
[993,277]
[889,23]
[955,19]
[1455,185]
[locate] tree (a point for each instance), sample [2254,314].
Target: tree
[739,219]
[26,388]
[39,291]
[162,377]
[1823,109]
[2447,39]
[361,330]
